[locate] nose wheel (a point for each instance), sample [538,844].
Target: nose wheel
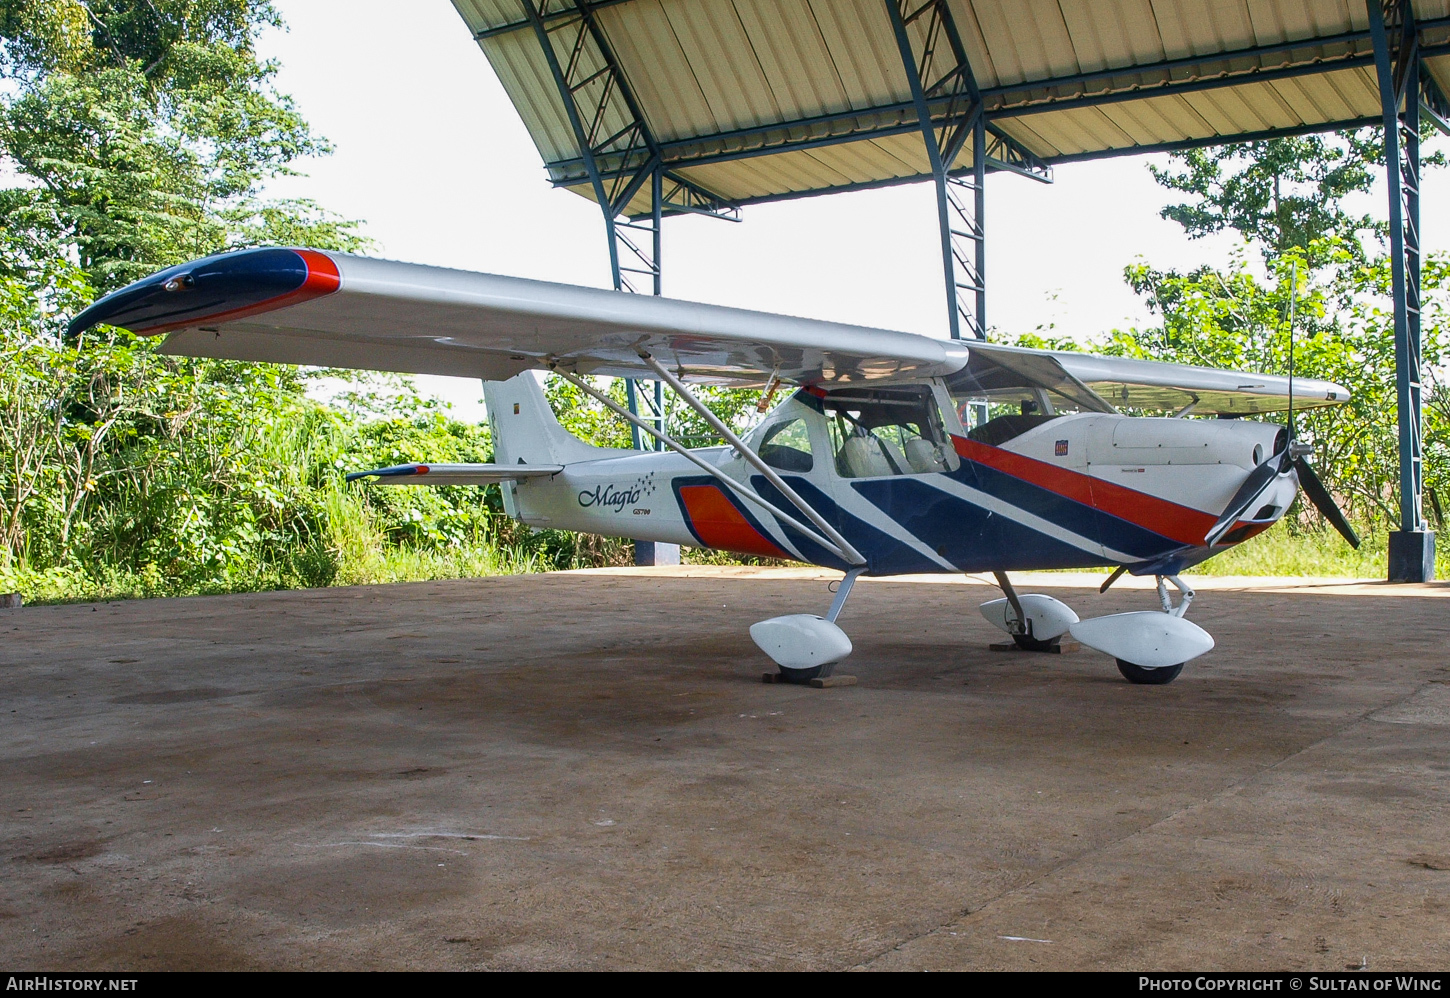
[1149,677]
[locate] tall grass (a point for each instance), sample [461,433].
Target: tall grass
[1290,550]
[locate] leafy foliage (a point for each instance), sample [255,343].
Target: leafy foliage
[142,132]
[1287,198]
[138,134]
[587,418]
[1279,193]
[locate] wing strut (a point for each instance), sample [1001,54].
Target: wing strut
[847,552]
[753,459]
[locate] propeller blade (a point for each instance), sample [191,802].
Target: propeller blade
[1259,479]
[1319,496]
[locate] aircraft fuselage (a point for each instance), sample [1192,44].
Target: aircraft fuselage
[897,474]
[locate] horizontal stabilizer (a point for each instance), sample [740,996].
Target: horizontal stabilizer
[456,474]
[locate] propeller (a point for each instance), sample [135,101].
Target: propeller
[1319,496]
[1259,480]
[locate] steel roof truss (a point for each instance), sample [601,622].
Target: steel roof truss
[1433,104]
[1183,75]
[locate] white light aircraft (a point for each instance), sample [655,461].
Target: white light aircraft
[866,466]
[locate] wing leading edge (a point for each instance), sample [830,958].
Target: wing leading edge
[334,310]
[298,306]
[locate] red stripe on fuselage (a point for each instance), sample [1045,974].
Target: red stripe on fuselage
[720,525]
[322,280]
[1180,523]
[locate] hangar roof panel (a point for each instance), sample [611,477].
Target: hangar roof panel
[760,99]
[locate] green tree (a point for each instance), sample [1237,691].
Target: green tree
[1278,193]
[588,419]
[1289,200]
[141,134]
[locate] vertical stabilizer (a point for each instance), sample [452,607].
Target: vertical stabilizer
[525,430]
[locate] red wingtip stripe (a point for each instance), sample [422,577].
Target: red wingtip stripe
[322,275]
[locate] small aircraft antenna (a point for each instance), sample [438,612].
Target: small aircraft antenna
[1293,292]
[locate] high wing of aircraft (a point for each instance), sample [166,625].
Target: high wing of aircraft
[868,465]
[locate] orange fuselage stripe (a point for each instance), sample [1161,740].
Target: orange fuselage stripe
[720,525]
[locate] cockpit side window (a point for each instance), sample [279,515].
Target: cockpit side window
[878,434]
[787,446]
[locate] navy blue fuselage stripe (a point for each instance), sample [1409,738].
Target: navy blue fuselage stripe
[972,538]
[884,554]
[1086,521]
[221,283]
[817,501]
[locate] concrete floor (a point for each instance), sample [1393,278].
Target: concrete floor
[584,771]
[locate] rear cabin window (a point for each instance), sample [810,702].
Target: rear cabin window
[883,434]
[996,432]
[787,446]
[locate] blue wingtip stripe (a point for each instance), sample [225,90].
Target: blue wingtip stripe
[396,471]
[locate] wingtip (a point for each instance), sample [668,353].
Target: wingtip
[216,288]
[395,471]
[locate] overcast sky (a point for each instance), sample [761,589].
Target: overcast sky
[431,155]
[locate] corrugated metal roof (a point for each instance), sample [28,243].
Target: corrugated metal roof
[731,89]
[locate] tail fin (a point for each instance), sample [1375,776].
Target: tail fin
[525,430]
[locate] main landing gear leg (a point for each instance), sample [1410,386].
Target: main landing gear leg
[807,647]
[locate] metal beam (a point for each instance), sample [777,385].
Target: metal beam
[1004,154]
[897,118]
[567,93]
[548,16]
[1173,87]
[1220,140]
[1003,103]
[1397,69]
[1213,140]
[959,202]
[1433,104]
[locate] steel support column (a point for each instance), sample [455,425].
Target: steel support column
[1397,65]
[620,156]
[937,69]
